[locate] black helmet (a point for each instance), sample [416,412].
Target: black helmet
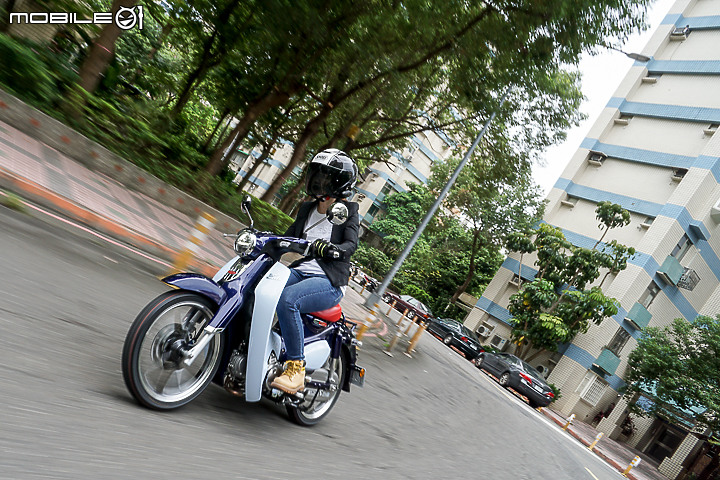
[331,173]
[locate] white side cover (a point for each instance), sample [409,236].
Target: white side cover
[267,294]
[221,273]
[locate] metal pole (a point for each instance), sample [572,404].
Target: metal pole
[376,295]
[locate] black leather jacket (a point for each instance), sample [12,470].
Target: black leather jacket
[344,236]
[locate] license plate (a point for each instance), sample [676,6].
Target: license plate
[357,376]
[538,389]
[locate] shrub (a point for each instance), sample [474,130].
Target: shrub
[372,260]
[24,73]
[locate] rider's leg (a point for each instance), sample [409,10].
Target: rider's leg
[309,294]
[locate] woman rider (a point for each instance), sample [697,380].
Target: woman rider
[318,282]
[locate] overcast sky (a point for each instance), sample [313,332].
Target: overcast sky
[602,74]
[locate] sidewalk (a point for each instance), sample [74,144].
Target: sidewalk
[616,454]
[42,175]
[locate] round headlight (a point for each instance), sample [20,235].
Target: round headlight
[245,242]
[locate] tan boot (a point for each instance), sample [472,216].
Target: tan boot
[292,379]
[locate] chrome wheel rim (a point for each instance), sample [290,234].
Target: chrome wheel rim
[313,410]
[163,376]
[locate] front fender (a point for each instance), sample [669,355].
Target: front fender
[194,282]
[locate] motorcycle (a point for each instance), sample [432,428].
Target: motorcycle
[224,330]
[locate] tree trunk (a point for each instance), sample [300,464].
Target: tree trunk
[471,270]
[224,115]
[258,162]
[258,107]
[288,203]
[7,9]
[711,468]
[102,51]
[195,77]
[310,130]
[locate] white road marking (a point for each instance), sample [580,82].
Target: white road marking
[591,474]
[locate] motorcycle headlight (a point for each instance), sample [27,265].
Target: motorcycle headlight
[245,242]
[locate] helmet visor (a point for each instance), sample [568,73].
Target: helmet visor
[319,180]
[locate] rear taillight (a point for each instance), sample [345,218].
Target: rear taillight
[464,339]
[526,378]
[550,394]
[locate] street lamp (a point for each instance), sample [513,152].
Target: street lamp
[634,56]
[376,295]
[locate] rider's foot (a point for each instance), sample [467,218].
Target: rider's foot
[292,379]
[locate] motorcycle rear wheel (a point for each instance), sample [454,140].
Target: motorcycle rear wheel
[310,413]
[152,369]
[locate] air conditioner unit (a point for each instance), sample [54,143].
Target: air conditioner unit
[679,174]
[483,330]
[680,33]
[498,342]
[596,158]
[544,371]
[711,129]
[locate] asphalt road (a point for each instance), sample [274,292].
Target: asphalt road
[66,302]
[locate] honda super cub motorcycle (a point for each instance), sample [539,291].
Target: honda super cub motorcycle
[225,330]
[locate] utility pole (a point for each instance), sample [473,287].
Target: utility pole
[376,295]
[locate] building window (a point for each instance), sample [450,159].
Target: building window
[592,388]
[386,190]
[373,210]
[649,295]
[681,248]
[618,341]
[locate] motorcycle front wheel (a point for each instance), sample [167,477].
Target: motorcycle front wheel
[151,361]
[319,402]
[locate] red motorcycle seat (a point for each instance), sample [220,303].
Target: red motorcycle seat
[332,314]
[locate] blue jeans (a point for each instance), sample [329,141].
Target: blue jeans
[303,293]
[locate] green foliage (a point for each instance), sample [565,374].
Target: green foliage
[24,73]
[374,261]
[556,391]
[559,303]
[417,292]
[678,366]
[12,201]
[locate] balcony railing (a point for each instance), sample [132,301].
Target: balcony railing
[607,361]
[639,316]
[671,271]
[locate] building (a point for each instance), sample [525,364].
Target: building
[413,165]
[655,151]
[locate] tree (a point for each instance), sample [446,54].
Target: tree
[101,51]
[493,203]
[678,366]
[559,303]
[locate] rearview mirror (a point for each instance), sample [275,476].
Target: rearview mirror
[246,202]
[338,213]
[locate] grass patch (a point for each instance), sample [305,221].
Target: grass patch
[12,201]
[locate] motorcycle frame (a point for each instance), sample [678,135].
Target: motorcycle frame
[266,274]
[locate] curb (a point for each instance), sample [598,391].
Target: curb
[576,435]
[42,196]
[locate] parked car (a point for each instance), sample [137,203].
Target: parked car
[405,302]
[519,375]
[455,334]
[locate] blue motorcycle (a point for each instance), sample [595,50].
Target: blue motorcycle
[224,330]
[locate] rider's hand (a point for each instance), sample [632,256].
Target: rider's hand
[324,249]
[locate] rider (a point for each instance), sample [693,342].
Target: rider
[318,282]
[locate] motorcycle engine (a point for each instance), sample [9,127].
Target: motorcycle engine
[234,379]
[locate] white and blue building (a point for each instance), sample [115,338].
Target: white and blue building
[654,150]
